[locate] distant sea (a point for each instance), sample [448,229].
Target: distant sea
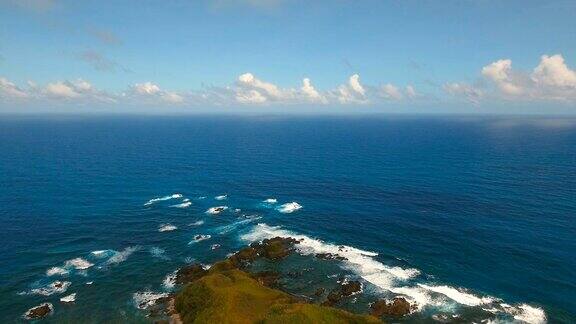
[470,218]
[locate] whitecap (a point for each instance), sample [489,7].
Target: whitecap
[56,287]
[289,207]
[90,282]
[167,228]
[185,204]
[197,223]
[145,299]
[214,246]
[154,200]
[69,299]
[199,238]
[270,201]
[216,210]
[223,197]
[229,228]
[57,271]
[78,264]
[121,256]
[397,279]
[103,253]
[169,281]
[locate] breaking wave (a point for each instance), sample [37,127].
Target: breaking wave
[155,200]
[167,228]
[289,207]
[146,299]
[400,281]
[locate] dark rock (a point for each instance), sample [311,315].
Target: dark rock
[319,292]
[397,307]
[346,289]
[39,311]
[273,249]
[330,256]
[267,278]
[190,273]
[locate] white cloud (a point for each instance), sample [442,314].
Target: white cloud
[311,93]
[390,91]
[9,90]
[465,91]
[550,80]
[553,72]
[500,72]
[411,92]
[61,90]
[250,97]
[146,88]
[247,82]
[351,93]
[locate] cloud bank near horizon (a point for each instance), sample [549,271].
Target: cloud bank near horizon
[552,80]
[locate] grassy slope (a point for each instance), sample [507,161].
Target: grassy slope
[228,295]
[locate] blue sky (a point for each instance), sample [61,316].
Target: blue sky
[253,55]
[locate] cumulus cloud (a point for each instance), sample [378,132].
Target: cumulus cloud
[149,92]
[351,93]
[9,90]
[310,93]
[550,80]
[62,90]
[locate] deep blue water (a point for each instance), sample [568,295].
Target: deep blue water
[482,203]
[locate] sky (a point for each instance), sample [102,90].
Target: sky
[288,56]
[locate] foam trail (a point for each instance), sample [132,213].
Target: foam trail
[154,200]
[223,197]
[229,228]
[56,287]
[121,256]
[289,207]
[145,299]
[185,204]
[270,201]
[398,280]
[197,223]
[167,228]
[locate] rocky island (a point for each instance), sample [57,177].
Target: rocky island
[229,292]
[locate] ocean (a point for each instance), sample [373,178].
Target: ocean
[472,218]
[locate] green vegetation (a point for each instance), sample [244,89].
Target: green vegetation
[229,295]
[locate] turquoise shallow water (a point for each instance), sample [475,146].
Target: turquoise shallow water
[464,215]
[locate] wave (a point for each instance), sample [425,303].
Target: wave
[270,201]
[146,299]
[103,253]
[78,264]
[185,204]
[69,299]
[56,287]
[155,200]
[167,228]
[216,210]
[121,256]
[200,238]
[169,281]
[231,227]
[158,253]
[223,197]
[399,280]
[54,271]
[197,223]
[289,207]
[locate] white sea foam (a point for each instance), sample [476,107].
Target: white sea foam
[186,200]
[185,204]
[170,280]
[289,207]
[90,282]
[154,200]
[398,280]
[159,253]
[216,210]
[223,197]
[271,201]
[199,238]
[145,299]
[78,264]
[121,256]
[57,271]
[56,287]
[103,253]
[167,228]
[197,223]
[69,299]
[214,246]
[231,227]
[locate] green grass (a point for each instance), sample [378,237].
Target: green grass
[229,295]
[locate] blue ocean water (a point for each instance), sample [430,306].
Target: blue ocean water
[462,212]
